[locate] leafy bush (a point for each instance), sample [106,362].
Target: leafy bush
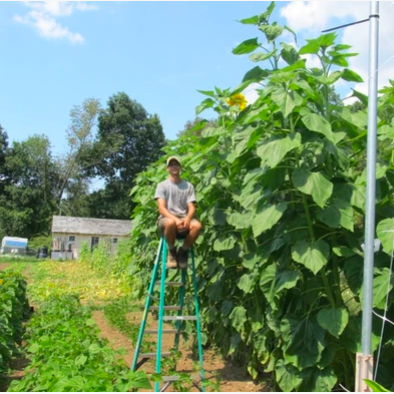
[67,354]
[38,242]
[103,261]
[84,253]
[281,195]
[116,314]
[121,259]
[14,308]
[100,258]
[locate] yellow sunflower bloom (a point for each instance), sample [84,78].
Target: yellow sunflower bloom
[1,281]
[238,99]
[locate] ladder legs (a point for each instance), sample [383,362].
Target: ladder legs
[147,305]
[162,255]
[161,313]
[198,325]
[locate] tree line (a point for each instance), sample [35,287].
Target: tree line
[107,145]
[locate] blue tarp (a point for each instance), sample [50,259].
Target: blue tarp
[14,242]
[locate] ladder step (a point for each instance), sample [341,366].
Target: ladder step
[175,284]
[179,317]
[166,308]
[174,378]
[153,355]
[164,331]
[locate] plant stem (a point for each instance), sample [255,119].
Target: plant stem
[336,270]
[327,287]
[308,218]
[347,377]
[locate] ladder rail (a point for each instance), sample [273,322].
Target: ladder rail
[147,305]
[161,313]
[198,324]
[181,300]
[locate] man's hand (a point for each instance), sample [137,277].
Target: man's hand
[179,224]
[186,223]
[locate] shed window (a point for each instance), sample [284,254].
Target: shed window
[71,238]
[95,242]
[114,240]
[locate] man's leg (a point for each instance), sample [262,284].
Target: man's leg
[194,232]
[168,228]
[169,231]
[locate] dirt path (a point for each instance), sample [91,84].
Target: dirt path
[231,378]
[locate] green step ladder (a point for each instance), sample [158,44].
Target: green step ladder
[141,358]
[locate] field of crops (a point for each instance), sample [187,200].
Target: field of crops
[60,340]
[82,333]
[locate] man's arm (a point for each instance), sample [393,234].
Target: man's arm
[190,214]
[191,210]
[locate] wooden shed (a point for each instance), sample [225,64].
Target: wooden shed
[69,233]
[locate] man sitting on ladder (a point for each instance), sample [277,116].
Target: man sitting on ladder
[176,201]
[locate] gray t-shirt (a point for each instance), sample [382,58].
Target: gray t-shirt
[177,196]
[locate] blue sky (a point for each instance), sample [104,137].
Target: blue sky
[54,55]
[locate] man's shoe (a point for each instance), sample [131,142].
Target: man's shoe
[182,258]
[171,259]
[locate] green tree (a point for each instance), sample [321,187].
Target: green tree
[136,139]
[29,198]
[357,106]
[3,153]
[73,183]
[196,126]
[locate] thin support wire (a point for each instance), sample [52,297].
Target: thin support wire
[344,388]
[384,317]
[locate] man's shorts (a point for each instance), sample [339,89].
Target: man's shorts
[180,234]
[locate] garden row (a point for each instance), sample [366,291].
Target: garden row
[14,308]
[66,353]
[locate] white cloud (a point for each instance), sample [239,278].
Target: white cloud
[54,8]
[83,6]
[43,18]
[47,27]
[251,94]
[312,61]
[315,16]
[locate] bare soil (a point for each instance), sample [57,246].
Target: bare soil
[231,378]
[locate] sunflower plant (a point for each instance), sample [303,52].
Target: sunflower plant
[281,195]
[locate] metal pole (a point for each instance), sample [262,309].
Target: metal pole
[371,181]
[365,359]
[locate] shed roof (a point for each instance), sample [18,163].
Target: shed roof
[90,226]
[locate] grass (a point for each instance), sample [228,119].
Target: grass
[53,277]
[8,258]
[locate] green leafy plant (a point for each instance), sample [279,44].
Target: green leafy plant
[14,309]
[376,387]
[116,314]
[41,241]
